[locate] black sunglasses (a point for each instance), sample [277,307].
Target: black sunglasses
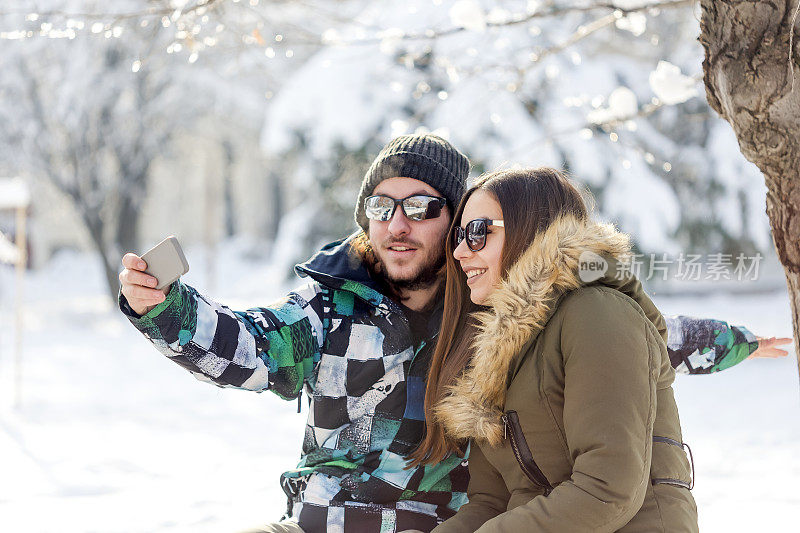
[475,233]
[416,207]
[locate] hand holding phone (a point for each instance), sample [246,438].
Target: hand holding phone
[166,262]
[146,279]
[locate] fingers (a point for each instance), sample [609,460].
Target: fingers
[137,287]
[768,347]
[772,341]
[139,294]
[773,353]
[768,353]
[136,277]
[133,262]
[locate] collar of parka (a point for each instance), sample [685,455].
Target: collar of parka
[520,307]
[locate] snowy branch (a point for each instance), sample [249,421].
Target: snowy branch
[558,11]
[149,12]
[111,22]
[170,14]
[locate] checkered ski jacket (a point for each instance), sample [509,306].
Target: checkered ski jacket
[352,349]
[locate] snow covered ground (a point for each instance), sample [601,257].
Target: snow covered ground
[111,437]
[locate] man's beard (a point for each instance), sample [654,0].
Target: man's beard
[427,276]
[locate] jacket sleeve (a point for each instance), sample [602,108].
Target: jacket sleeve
[610,364]
[274,347]
[487,493]
[703,346]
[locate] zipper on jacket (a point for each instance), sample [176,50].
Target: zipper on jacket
[672,481]
[513,429]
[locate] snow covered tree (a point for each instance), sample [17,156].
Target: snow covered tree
[93,93]
[80,117]
[598,88]
[89,112]
[751,72]
[606,90]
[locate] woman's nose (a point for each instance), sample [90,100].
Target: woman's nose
[461,251]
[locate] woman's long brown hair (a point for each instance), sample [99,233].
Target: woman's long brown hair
[531,199]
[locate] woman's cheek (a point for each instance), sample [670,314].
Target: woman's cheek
[495,278]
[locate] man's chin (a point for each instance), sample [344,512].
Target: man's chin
[411,273]
[420,278]
[401,275]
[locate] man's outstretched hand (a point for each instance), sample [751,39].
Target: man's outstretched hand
[768,347]
[139,288]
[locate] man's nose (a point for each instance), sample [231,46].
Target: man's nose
[399,224]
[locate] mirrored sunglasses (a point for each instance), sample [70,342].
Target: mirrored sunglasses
[417,207]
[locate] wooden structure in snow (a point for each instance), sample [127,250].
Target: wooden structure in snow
[15,195]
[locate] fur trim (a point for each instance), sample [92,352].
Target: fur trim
[519,309]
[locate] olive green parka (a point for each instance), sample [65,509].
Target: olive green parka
[572,375]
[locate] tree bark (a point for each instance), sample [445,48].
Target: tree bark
[751,76]
[96,226]
[127,224]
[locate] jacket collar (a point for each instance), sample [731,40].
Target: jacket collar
[338,266]
[520,308]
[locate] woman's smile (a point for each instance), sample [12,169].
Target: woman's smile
[473,274]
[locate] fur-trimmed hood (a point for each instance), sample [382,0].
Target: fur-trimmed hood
[521,307]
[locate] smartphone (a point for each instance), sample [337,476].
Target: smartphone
[166,262]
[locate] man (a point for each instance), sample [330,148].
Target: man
[359,336]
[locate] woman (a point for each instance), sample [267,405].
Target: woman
[563,388]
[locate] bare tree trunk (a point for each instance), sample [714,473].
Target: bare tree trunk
[127,230]
[227,184]
[276,207]
[751,76]
[96,226]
